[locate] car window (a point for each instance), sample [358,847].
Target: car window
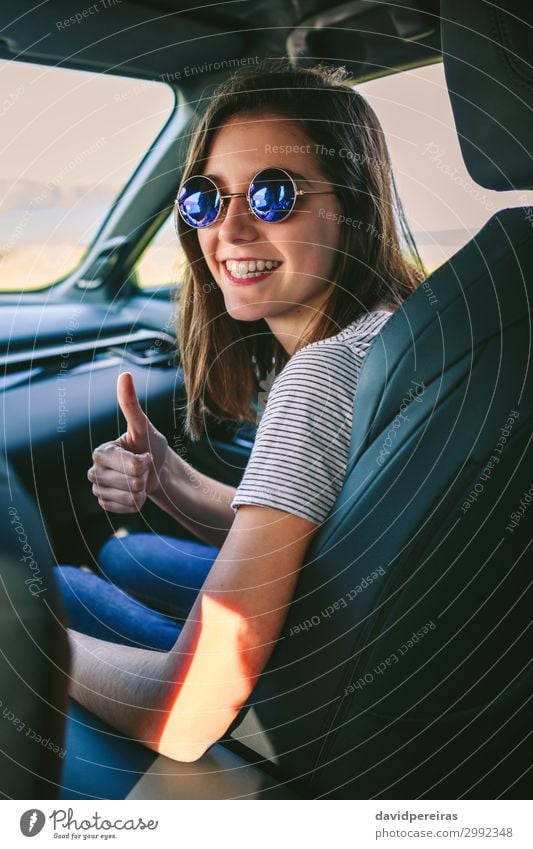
[443,205]
[163,261]
[70,141]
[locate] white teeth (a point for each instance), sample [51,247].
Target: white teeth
[250,268]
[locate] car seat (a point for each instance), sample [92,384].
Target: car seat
[403,669]
[33,652]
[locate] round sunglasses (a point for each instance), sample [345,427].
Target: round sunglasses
[271,197]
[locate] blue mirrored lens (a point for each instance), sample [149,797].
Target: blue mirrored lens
[272,195]
[199,201]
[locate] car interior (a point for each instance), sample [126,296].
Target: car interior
[453,719]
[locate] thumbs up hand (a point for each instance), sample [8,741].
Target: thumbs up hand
[126,470]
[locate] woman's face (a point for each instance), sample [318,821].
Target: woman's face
[303,247]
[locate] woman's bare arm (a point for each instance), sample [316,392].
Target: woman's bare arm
[198,502]
[180,702]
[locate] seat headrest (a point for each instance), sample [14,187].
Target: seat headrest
[488,61]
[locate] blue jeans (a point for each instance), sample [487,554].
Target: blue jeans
[148,586]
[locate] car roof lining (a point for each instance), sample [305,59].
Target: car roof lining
[368,37]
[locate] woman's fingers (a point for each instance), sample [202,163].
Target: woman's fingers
[119,478]
[115,507]
[115,480]
[111,456]
[129,501]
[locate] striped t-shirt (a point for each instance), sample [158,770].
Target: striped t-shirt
[298,461]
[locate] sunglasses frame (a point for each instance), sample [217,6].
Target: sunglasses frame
[297,193]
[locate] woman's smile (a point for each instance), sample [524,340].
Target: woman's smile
[246,270]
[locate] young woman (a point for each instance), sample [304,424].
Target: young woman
[296,246]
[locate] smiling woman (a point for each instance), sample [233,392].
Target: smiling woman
[329,274]
[287,285]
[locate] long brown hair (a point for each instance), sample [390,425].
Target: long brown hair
[224,360]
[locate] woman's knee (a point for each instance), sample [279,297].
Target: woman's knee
[136,559]
[67,578]
[115,556]
[79,591]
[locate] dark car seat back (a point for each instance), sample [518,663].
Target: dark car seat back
[488,64]
[33,653]
[403,667]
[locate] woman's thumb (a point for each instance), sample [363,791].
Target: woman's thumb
[129,404]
